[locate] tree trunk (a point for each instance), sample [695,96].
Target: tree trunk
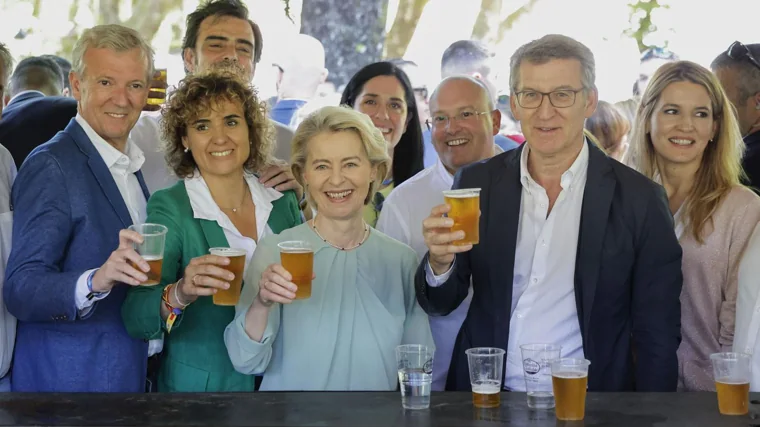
[148,15]
[505,26]
[397,40]
[108,12]
[351,31]
[486,27]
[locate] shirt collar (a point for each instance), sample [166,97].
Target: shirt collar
[204,206]
[24,92]
[132,161]
[576,170]
[443,174]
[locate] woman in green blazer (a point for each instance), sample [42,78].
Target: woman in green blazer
[217,134]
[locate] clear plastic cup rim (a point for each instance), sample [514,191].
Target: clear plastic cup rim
[730,356]
[572,363]
[413,348]
[462,193]
[541,347]
[484,351]
[227,252]
[161,229]
[295,246]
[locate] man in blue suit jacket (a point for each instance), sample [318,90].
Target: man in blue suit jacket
[575,248]
[35,111]
[73,199]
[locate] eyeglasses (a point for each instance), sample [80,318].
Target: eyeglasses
[738,51]
[439,121]
[532,99]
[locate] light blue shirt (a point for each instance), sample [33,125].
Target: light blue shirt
[344,336]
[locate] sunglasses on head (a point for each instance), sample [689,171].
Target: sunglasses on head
[738,51]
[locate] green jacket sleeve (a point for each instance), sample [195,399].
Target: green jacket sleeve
[141,311]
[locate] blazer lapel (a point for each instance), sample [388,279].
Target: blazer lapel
[597,199]
[502,218]
[281,217]
[144,187]
[101,172]
[214,234]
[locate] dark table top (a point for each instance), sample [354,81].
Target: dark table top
[355,410]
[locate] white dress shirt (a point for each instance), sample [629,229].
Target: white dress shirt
[401,218]
[747,329]
[7,321]
[147,136]
[122,167]
[543,287]
[204,207]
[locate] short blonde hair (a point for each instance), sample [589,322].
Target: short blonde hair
[112,36]
[340,119]
[721,168]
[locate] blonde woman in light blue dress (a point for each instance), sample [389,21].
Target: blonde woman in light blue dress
[362,302]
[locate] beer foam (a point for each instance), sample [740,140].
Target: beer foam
[731,381]
[227,252]
[486,388]
[152,257]
[465,193]
[570,375]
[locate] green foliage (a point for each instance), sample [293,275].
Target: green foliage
[641,11]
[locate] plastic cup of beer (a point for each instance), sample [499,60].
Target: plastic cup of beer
[732,376]
[465,211]
[415,375]
[537,370]
[161,77]
[151,250]
[297,257]
[570,380]
[486,375]
[237,267]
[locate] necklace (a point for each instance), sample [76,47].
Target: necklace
[364,239]
[234,210]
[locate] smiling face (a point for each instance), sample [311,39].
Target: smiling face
[552,131]
[218,139]
[224,38]
[382,98]
[469,139]
[338,174]
[112,92]
[682,123]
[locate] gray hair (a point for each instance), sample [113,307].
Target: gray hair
[115,37]
[554,46]
[748,75]
[481,86]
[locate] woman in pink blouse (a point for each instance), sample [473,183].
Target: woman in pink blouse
[686,137]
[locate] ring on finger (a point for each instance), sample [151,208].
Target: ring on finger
[193,280]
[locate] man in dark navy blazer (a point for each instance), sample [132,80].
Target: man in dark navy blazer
[73,199]
[35,111]
[575,248]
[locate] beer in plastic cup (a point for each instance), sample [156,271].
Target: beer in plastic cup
[237,267]
[569,381]
[151,250]
[486,375]
[465,211]
[732,372]
[298,258]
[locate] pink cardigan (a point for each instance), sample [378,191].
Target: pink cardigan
[710,277]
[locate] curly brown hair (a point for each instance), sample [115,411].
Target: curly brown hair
[197,94]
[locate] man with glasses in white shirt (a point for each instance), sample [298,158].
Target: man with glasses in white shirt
[463,124]
[575,248]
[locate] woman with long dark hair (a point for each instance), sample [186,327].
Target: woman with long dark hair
[383,92]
